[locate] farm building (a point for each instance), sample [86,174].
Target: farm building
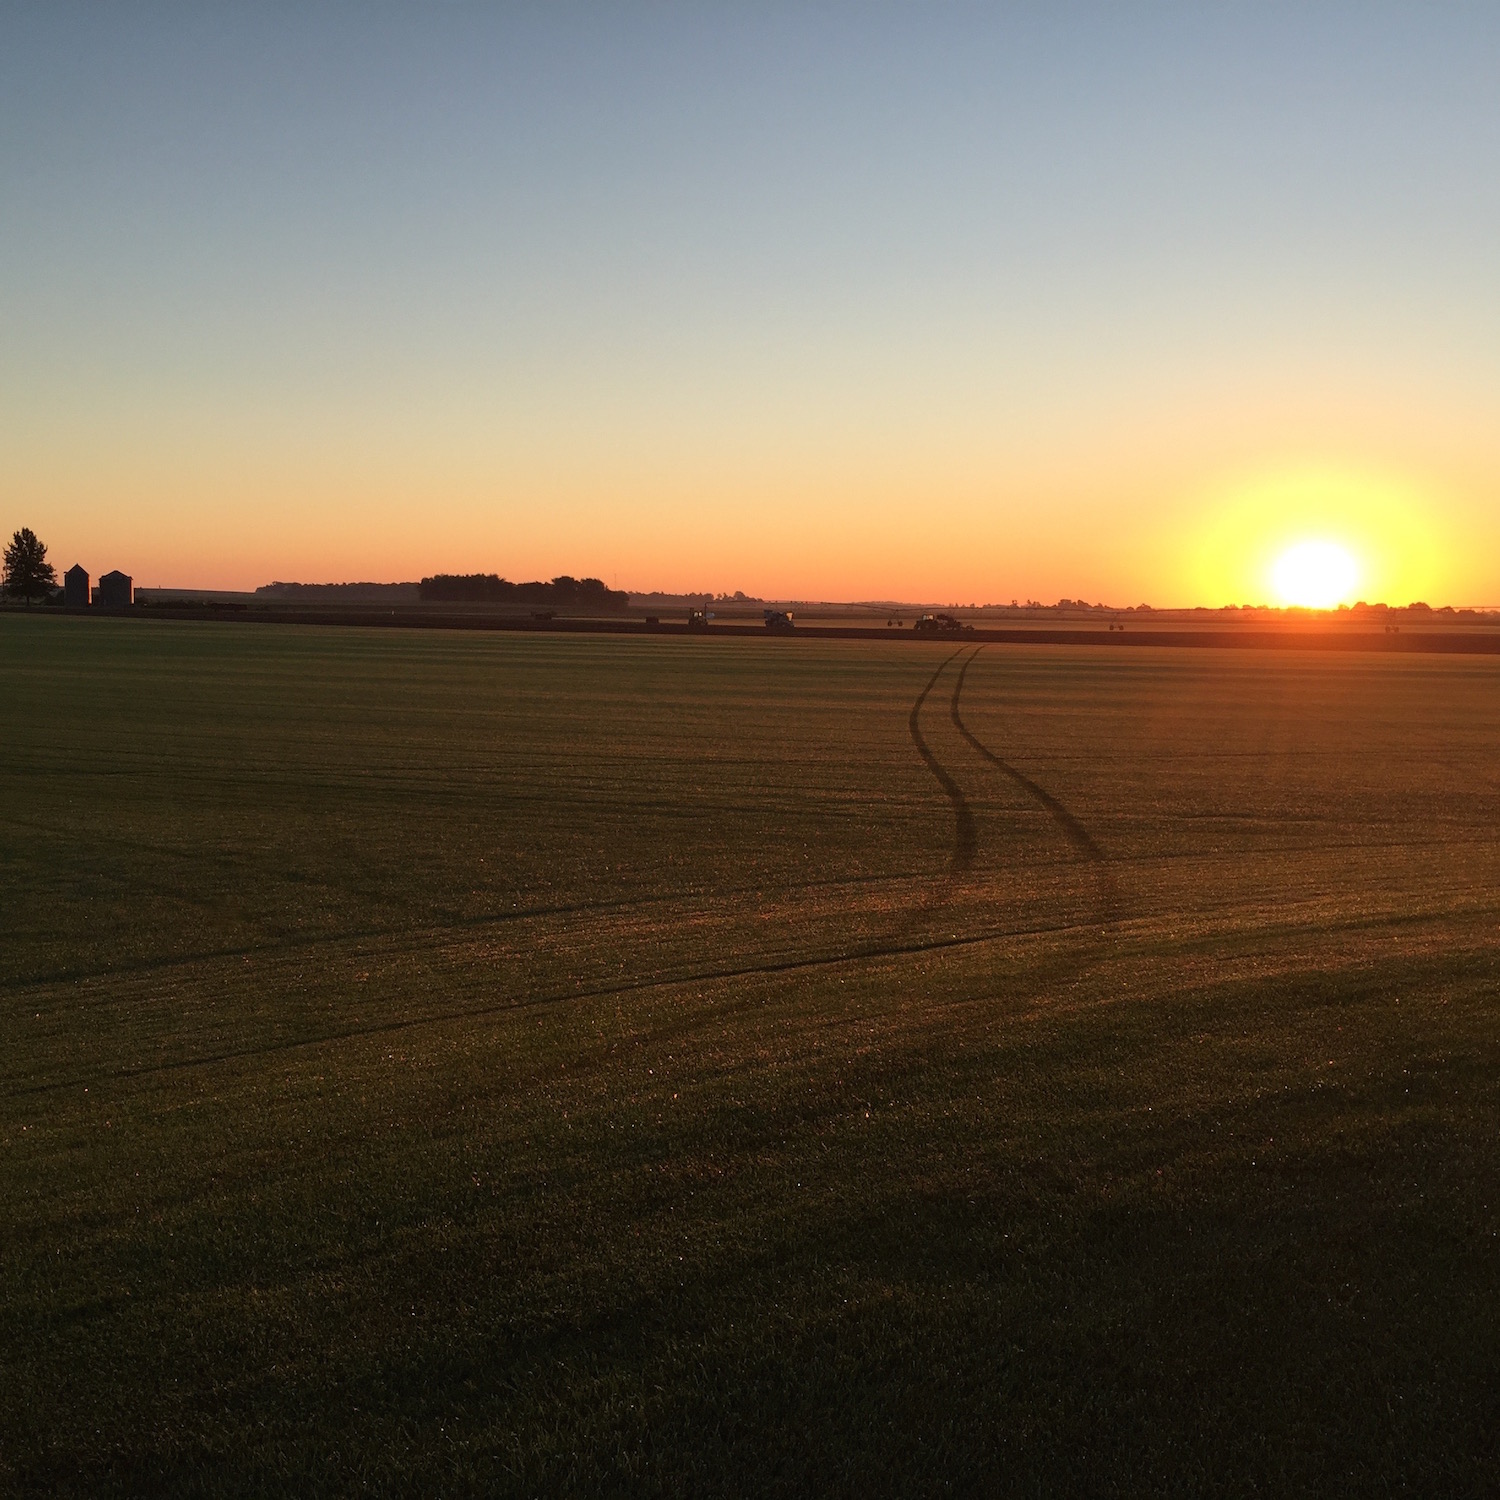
[76,586]
[114,590]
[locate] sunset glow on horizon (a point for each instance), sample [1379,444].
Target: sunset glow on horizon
[819,306]
[1317,538]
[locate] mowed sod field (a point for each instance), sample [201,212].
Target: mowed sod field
[441,1063]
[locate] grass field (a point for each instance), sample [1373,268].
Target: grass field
[445,1064]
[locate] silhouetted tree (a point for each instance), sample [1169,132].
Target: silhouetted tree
[27,571]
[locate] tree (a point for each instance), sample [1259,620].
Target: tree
[27,571]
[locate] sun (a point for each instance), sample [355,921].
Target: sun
[1317,536]
[1315,575]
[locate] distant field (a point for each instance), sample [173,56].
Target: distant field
[1379,629]
[441,1063]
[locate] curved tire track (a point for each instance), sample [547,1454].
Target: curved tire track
[965,829]
[1073,830]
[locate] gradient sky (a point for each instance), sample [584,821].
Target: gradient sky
[933,302]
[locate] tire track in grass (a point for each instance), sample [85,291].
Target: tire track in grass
[1073,830]
[415,940]
[965,829]
[559,997]
[1404,922]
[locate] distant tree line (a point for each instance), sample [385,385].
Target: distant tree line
[342,593]
[562,592]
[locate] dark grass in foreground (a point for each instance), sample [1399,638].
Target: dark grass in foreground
[444,1064]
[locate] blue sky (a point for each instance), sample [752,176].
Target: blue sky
[739,297]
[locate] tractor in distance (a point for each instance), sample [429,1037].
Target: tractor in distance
[941,624]
[698,619]
[778,619]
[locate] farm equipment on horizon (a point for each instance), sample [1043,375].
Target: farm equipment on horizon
[941,624]
[698,619]
[779,620]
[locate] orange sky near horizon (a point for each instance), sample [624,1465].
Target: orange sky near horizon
[1185,505]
